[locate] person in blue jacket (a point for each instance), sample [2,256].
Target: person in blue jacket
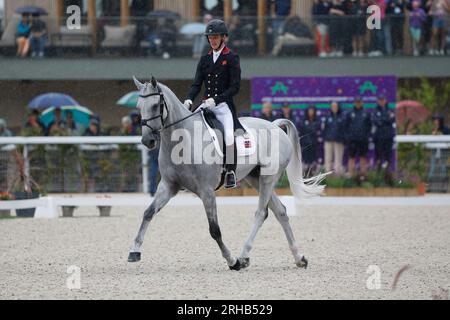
[333,134]
[358,127]
[383,120]
[309,129]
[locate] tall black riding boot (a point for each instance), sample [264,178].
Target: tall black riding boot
[231,159]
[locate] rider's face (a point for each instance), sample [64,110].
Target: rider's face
[215,41]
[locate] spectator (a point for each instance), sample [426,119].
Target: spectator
[294,29]
[38,36]
[4,132]
[34,126]
[417,19]
[136,122]
[359,27]
[425,5]
[309,128]
[200,39]
[377,36]
[337,28]
[267,112]
[437,173]
[395,19]
[358,126]
[162,38]
[57,126]
[93,129]
[320,11]
[439,11]
[280,10]
[333,128]
[127,127]
[22,36]
[72,128]
[439,126]
[384,123]
[288,114]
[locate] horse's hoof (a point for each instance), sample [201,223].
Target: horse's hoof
[237,266]
[134,257]
[303,263]
[244,262]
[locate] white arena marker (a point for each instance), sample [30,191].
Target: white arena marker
[47,210]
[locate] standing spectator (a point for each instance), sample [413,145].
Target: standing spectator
[417,19]
[267,112]
[395,19]
[22,36]
[308,140]
[38,36]
[72,128]
[94,128]
[33,126]
[383,120]
[321,11]
[280,10]
[333,128]
[57,126]
[377,36]
[358,126]
[289,115]
[359,12]
[439,11]
[4,132]
[337,28]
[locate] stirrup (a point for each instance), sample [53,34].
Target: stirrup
[230,180]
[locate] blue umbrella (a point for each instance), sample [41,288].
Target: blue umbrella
[193,28]
[32,10]
[163,14]
[49,100]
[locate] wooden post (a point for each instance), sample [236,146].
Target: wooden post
[92,20]
[196,10]
[59,12]
[227,10]
[124,13]
[261,27]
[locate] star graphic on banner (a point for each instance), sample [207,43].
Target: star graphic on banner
[368,86]
[279,86]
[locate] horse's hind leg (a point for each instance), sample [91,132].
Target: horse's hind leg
[265,185]
[279,210]
[163,194]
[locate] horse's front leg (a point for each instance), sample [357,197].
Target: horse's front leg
[209,201]
[163,194]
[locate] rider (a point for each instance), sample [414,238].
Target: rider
[220,71]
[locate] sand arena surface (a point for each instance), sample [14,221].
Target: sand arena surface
[181,261]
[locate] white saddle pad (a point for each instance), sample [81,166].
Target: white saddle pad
[245,144]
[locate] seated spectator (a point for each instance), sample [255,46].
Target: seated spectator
[22,36]
[34,126]
[309,129]
[94,128]
[162,39]
[38,36]
[58,126]
[334,129]
[72,128]
[294,30]
[439,126]
[4,132]
[267,112]
[358,126]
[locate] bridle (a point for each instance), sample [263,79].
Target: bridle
[162,106]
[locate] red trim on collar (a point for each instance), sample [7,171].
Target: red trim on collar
[225,50]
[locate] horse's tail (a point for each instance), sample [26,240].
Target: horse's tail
[300,187]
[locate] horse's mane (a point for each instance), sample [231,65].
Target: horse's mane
[168,92]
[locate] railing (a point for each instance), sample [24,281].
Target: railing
[248,35]
[70,160]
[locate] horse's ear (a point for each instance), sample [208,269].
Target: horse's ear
[153,82]
[137,83]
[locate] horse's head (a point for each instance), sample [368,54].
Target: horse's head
[153,110]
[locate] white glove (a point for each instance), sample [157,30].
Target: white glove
[188,104]
[210,103]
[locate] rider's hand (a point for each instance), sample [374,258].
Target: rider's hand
[188,104]
[210,103]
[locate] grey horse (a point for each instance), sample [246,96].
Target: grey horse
[163,115]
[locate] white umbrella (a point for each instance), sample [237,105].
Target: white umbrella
[193,28]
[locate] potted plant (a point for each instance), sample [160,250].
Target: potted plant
[6,196]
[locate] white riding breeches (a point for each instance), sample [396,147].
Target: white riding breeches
[224,115]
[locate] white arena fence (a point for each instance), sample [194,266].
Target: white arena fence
[80,153]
